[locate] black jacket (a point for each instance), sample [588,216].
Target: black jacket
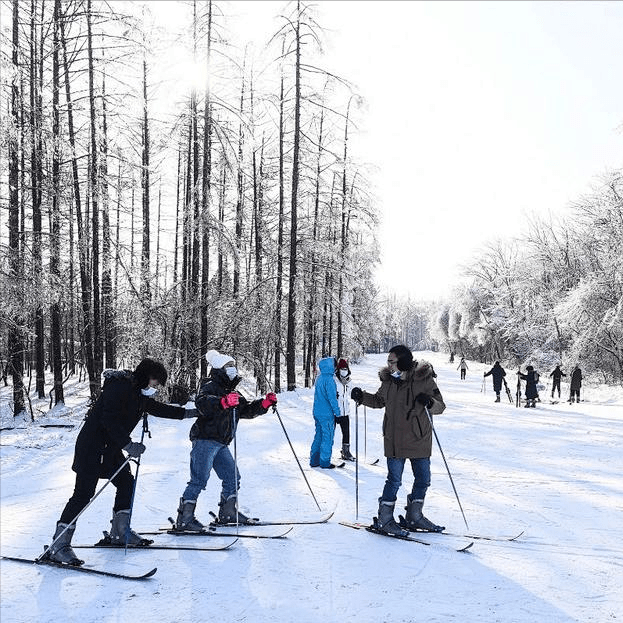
[110,421]
[217,423]
[498,373]
[557,373]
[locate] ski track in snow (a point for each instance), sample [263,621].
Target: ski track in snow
[553,471]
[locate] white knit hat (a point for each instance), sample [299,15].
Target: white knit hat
[217,360]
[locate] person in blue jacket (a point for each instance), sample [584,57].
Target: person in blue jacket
[326,409]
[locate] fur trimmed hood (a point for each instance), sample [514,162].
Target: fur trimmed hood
[420,371]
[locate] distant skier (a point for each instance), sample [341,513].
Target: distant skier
[498,373]
[125,397]
[463,366]
[407,387]
[326,410]
[342,383]
[556,375]
[531,391]
[576,384]
[452,357]
[220,408]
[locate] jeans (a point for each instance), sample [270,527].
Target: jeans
[421,474]
[322,445]
[206,454]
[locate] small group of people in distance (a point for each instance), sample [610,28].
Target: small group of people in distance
[532,377]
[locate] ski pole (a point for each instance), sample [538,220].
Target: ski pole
[285,432]
[75,519]
[233,417]
[138,465]
[356,462]
[430,419]
[365,434]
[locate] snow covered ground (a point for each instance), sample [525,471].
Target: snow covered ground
[553,472]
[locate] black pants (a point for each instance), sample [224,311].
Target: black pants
[556,386]
[463,371]
[344,423]
[84,490]
[575,393]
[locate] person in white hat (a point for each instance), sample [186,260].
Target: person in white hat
[220,407]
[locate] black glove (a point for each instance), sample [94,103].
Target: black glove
[357,395]
[425,400]
[135,449]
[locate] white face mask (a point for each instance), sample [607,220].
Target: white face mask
[149,391]
[343,372]
[396,374]
[231,372]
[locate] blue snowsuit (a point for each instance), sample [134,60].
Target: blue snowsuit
[326,409]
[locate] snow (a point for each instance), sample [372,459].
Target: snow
[553,472]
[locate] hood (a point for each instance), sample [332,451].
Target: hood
[420,371]
[326,365]
[219,376]
[111,375]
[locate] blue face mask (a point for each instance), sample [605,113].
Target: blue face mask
[149,391]
[396,374]
[231,372]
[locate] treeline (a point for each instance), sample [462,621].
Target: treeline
[553,295]
[240,219]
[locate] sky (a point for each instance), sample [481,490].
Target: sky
[478,115]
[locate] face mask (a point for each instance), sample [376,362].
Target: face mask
[232,373]
[396,374]
[343,372]
[149,391]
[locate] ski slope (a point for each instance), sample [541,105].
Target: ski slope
[553,472]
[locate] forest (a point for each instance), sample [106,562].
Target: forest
[146,212]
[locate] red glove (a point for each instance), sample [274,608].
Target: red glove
[230,400]
[269,401]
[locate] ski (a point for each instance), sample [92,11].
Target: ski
[278,522]
[481,537]
[360,526]
[215,548]
[60,565]
[374,462]
[214,532]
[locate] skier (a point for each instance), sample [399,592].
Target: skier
[556,373]
[531,392]
[498,373]
[576,384]
[452,357]
[463,367]
[219,408]
[125,397]
[343,398]
[326,409]
[407,387]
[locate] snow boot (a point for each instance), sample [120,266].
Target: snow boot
[386,522]
[120,530]
[61,551]
[227,512]
[497,398]
[186,520]
[415,519]
[346,455]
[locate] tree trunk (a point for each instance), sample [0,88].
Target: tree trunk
[16,345]
[240,186]
[55,237]
[145,250]
[291,336]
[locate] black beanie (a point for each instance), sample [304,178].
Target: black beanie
[404,357]
[149,369]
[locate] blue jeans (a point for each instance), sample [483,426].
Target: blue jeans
[421,474]
[322,445]
[206,454]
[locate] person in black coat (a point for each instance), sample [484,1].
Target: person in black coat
[556,375]
[220,407]
[498,373]
[576,384]
[531,379]
[125,397]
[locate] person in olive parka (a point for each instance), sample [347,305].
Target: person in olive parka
[407,388]
[125,397]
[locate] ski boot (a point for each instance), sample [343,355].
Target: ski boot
[346,455]
[61,551]
[386,522]
[497,398]
[228,511]
[121,533]
[186,520]
[415,520]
